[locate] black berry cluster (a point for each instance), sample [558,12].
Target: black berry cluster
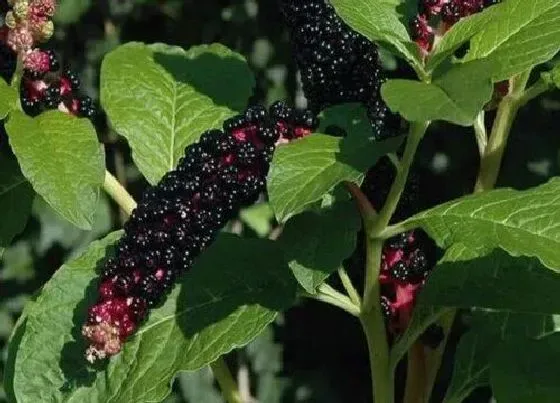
[180,216]
[437,16]
[337,64]
[45,86]
[407,260]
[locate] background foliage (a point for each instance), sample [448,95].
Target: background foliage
[298,358]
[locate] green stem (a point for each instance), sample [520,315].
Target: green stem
[415,135]
[349,287]
[328,295]
[227,384]
[118,193]
[373,325]
[415,375]
[491,160]
[127,203]
[433,357]
[480,133]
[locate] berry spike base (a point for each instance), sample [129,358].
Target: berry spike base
[179,217]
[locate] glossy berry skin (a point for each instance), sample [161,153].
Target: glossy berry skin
[337,64]
[178,218]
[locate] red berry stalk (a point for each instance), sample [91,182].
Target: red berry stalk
[180,216]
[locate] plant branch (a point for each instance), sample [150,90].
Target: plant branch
[491,160]
[480,133]
[415,375]
[226,381]
[433,357]
[328,295]
[367,211]
[415,135]
[349,287]
[373,325]
[118,193]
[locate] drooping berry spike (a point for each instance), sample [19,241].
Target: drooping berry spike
[45,87]
[337,64]
[179,217]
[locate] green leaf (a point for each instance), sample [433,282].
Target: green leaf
[457,96]
[70,11]
[232,293]
[524,223]
[316,242]
[488,333]
[60,156]
[526,371]
[378,21]
[303,171]
[458,35]
[521,35]
[553,76]
[161,98]
[16,196]
[8,98]
[495,281]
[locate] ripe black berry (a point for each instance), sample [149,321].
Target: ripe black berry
[52,96]
[400,272]
[54,64]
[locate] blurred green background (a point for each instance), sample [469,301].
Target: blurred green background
[313,353]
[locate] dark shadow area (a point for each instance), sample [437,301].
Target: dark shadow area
[223,79]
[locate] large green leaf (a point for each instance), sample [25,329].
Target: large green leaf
[161,98]
[520,222]
[303,171]
[457,96]
[495,281]
[234,290]
[520,35]
[489,333]
[16,196]
[8,98]
[379,21]
[316,242]
[526,371]
[60,156]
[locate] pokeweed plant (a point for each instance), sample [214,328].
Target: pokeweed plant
[171,292]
